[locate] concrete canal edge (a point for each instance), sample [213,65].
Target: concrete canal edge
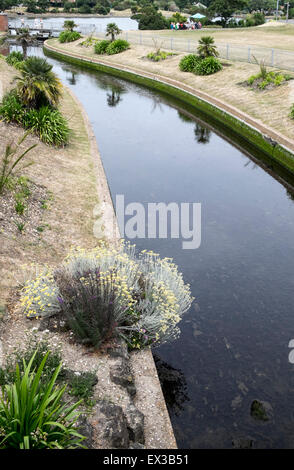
[149,397]
[275,146]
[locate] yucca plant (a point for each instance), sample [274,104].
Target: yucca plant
[206,47]
[33,416]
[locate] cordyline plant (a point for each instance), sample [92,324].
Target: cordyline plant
[11,160]
[107,292]
[33,416]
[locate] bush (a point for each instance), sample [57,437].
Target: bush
[32,416]
[48,124]
[189,62]
[101,46]
[207,66]
[11,108]
[110,291]
[158,55]
[292,112]
[149,18]
[68,36]
[117,46]
[14,57]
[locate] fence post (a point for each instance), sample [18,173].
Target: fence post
[171,43]
[249,54]
[228,51]
[273,57]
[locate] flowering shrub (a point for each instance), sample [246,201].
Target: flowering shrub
[107,290]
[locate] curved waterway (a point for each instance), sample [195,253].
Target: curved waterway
[234,342]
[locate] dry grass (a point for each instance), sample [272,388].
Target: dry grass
[270,107]
[68,175]
[278,37]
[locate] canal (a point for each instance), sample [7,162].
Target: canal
[234,340]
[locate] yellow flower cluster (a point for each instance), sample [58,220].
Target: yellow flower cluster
[39,297]
[146,287]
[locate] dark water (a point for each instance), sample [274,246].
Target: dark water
[234,342]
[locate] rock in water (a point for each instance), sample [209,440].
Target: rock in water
[261,410]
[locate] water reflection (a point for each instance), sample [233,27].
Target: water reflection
[174,385]
[71,75]
[202,134]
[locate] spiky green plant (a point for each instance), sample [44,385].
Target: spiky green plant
[206,47]
[11,159]
[38,85]
[33,416]
[112,30]
[69,25]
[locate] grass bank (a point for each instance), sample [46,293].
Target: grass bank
[260,119]
[67,177]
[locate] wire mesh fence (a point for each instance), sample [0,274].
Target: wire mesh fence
[278,58]
[273,57]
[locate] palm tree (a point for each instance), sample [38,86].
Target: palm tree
[38,85]
[69,25]
[111,30]
[206,47]
[24,39]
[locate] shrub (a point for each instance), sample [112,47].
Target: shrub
[89,41]
[158,55]
[111,291]
[189,62]
[48,124]
[117,46]
[14,57]
[89,304]
[207,66]
[33,416]
[292,112]
[68,36]
[11,108]
[101,46]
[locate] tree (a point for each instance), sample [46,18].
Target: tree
[23,37]
[69,25]
[38,85]
[149,18]
[111,30]
[206,47]
[226,8]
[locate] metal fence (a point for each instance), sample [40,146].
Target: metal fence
[279,58]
